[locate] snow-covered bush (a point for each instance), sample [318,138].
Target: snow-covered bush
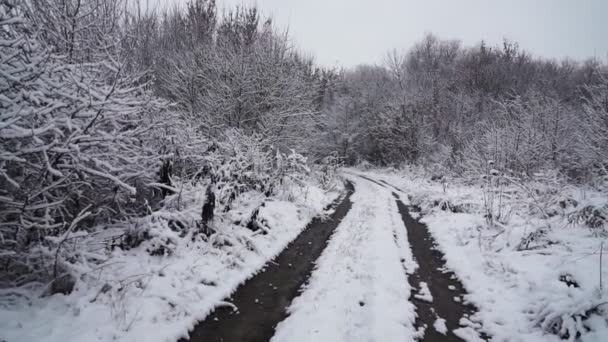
[244,162]
[328,168]
[591,216]
[572,315]
[594,127]
[73,149]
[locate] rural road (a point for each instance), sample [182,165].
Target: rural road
[368,272]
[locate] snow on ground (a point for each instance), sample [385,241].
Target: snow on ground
[518,292]
[440,326]
[424,293]
[358,290]
[469,335]
[135,296]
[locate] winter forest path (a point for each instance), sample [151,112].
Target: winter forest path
[348,279]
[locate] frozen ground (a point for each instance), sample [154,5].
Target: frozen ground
[535,292]
[135,296]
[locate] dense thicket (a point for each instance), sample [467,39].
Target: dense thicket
[104,110]
[231,70]
[455,108]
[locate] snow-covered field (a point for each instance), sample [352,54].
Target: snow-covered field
[525,289]
[135,296]
[359,289]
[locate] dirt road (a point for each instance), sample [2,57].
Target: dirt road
[370,272]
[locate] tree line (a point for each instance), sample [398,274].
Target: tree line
[453,109]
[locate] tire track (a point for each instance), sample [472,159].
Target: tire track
[260,303]
[446,290]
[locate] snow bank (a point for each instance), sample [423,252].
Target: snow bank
[136,296]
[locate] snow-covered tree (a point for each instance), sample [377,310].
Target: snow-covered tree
[74,147]
[594,125]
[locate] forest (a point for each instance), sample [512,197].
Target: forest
[125,129]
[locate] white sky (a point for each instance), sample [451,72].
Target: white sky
[351,32]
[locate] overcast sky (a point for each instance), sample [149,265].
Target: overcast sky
[351,32]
